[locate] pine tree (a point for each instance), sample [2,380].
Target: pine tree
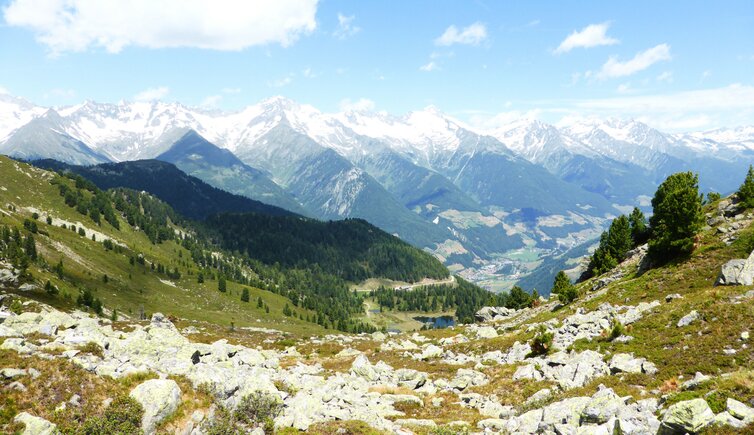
[746,191]
[639,229]
[561,284]
[260,303]
[222,285]
[30,247]
[245,295]
[200,278]
[677,217]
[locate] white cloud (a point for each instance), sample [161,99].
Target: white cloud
[430,66]
[281,82]
[3,91]
[231,90]
[346,27]
[593,35]
[666,77]
[211,101]
[624,88]
[77,25]
[360,105]
[152,94]
[641,61]
[471,35]
[309,73]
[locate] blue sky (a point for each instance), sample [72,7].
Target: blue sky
[681,65]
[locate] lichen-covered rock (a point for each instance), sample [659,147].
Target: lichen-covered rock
[690,416]
[35,425]
[159,398]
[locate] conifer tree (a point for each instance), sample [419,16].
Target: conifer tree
[677,217]
[245,295]
[561,283]
[746,191]
[639,229]
[221,284]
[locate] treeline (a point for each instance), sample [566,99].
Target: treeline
[466,298]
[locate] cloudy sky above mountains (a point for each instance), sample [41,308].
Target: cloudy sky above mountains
[683,65]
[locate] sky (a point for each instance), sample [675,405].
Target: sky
[678,65]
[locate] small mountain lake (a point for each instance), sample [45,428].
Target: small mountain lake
[436,322]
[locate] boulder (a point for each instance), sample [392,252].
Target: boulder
[490,314]
[430,351]
[737,272]
[159,398]
[740,411]
[486,332]
[35,425]
[690,416]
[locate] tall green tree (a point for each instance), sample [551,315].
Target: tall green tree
[677,217]
[746,191]
[245,295]
[222,286]
[562,283]
[639,227]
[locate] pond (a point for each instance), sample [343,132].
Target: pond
[436,322]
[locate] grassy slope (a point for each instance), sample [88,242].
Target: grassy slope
[128,287]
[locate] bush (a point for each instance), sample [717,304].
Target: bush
[450,430]
[616,329]
[122,416]
[258,408]
[568,295]
[224,423]
[541,343]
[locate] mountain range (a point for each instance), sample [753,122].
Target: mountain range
[492,203]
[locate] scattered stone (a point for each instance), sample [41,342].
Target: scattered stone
[15,385]
[671,297]
[688,319]
[430,351]
[745,336]
[159,398]
[698,379]
[35,425]
[10,373]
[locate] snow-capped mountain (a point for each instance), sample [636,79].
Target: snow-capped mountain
[14,113]
[467,194]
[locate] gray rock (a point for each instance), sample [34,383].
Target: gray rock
[688,319]
[489,314]
[698,379]
[10,373]
[486,332]
[159,398]
[737,272]
[740,410]
[35,425]
[15,385]
[688,416]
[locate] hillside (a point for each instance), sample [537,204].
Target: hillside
[310,264]
[189,196]
[660,350]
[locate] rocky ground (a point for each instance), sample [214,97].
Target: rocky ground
[680,362]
